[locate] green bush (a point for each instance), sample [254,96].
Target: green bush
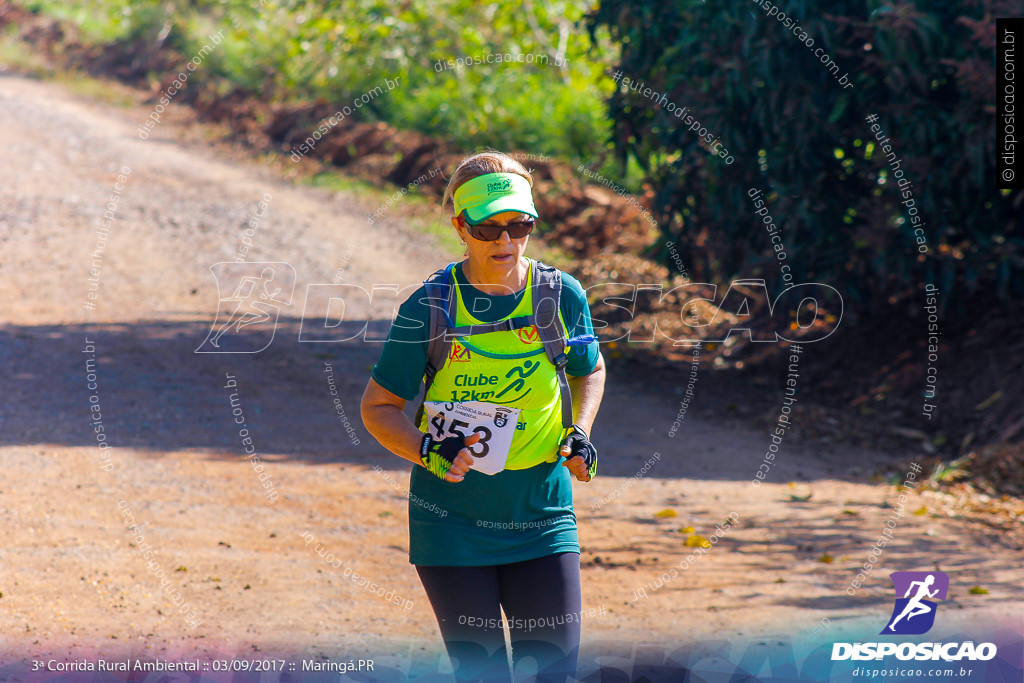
[926,70]
[301,50]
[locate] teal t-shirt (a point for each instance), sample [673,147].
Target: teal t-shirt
[404,357]
[511,516]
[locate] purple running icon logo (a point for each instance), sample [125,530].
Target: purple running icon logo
[914,613]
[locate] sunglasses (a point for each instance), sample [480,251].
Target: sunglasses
[488,232]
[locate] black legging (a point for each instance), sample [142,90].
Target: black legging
[542,603]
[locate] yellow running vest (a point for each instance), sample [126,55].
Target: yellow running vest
[507,368]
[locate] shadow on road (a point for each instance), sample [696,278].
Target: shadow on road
[157,395]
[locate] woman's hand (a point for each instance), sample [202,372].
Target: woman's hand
[463,460]
[448,459]
[580,455]
[576,464]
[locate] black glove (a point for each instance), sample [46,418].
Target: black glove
[438,456]
[579,444]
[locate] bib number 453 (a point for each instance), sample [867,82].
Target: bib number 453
[455,427]
[494,424]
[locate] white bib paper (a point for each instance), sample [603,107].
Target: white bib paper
[496,425]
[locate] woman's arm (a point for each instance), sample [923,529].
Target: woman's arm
[383,418]
[587,392]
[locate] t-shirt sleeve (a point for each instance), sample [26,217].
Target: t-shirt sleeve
[576,312]
[403,360]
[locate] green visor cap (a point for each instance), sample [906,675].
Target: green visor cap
[493,193]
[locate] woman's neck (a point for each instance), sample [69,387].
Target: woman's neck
[497,283]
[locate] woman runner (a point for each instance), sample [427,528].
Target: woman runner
[491,522]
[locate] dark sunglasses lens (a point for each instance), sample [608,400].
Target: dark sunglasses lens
[492,233]
[487,233]
[521,229]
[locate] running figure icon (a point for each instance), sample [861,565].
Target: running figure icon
[919,592]
[915,607]
[258,312]
[258,292]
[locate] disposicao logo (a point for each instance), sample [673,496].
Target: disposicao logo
[914,614]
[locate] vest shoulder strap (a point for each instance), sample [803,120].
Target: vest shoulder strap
[440,299]
[546,298]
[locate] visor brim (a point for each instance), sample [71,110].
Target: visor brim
[479,214]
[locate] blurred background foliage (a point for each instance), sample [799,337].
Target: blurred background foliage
[302,50]
[926,70]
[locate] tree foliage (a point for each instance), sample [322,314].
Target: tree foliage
[301,50]
[926,70]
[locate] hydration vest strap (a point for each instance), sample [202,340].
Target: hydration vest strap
[546,301]
[546,295]
[563,387]
[440,299]
[508,325]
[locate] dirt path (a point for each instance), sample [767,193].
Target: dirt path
[70,582]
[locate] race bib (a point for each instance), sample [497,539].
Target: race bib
[495,424]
